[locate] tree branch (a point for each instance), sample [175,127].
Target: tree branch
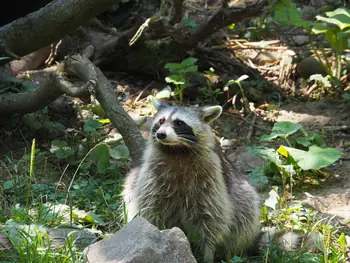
[176,15]
[84,69]
[48,24]
[30,101]
[224,17]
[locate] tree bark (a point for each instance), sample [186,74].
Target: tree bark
[102,88]
[48,24]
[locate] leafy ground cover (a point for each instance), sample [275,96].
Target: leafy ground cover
[298,144]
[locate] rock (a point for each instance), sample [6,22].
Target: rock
[139,241]
[245,161]
[310,66]
[301,40]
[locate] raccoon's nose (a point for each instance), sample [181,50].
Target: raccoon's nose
[161,136]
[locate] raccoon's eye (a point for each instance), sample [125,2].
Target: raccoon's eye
[161,121]
[179,123]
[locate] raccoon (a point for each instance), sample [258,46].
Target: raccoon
[186,181]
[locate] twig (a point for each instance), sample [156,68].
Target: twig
[251,128]
[235,116]
[177,12]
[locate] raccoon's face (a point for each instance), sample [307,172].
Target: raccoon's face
[182,127]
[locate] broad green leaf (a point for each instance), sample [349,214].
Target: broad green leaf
[188,61]
[267,154]
[304,141]
[315,159]
[91,125]
[90,217]
[296,154]
[281,129]
[164,93]
[173,67]
[120,152]
[286,13]
[346,95]
[100,155]
[193,68]
[257,176]
[98,110]
[63,153]
[59,143]
[8,184]
[176,79]
[311,139]
[319,28]
[339,17]
[59,125]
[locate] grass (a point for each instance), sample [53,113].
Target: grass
[41,189]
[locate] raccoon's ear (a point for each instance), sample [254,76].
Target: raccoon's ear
[209,114]
[156,103]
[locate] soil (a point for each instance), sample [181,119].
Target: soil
[316,111]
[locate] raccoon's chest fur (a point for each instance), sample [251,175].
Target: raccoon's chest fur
[178,190]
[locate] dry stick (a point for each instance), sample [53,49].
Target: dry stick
[103,90]
[251,128]
[43,26]
[235,116]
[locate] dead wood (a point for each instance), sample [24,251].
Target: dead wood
[47,25]
[101,87]
[95,83]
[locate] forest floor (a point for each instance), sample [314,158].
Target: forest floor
[321,110]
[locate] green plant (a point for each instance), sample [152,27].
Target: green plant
[337,36]
[335,27]
[238,82]
[209,93]
[33,245]
[180,73]
[303,154]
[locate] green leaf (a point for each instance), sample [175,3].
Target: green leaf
[63,153]
[176,79]
[311,139]
[90,217]
[8,184]
[59,143]
[339,17]
[304,141]
[346,95]
[193,68]
[188,61]
[267,154]
[257,176]
[286,13]
[100,155]
[120,152]
[319,28]
[164,93]
[91,125]
[314,159]
[281,129]
[173,67]
[61,149]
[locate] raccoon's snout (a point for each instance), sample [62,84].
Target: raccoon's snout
[160,135]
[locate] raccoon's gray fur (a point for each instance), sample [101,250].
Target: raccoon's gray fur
[186,181]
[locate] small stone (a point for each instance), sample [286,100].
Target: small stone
[311,66]
[301,40]
[141,242]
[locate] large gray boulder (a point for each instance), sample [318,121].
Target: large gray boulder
[141,242]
